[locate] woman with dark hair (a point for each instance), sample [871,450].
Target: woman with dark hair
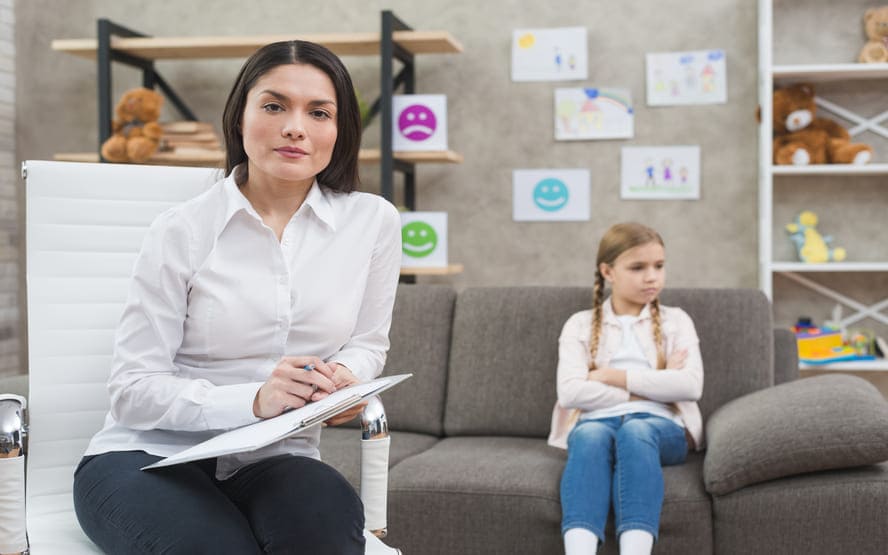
[267,292]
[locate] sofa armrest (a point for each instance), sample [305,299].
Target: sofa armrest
[831,421]
[786,356]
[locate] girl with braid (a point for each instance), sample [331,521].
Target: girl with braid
[629,376]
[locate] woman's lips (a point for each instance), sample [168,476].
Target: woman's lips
[291,152]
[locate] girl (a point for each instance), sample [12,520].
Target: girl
[629,373]
[278,269]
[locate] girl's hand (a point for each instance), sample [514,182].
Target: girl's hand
[291,386]
[677,359]
[343,377]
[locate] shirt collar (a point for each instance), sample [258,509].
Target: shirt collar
[608,316]
[318,200]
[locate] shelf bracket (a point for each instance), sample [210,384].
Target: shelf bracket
[873,311]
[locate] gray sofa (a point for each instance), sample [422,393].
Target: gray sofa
[788,469]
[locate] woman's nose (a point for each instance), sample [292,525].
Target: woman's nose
[294,127]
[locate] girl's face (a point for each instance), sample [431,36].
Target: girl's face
[289,124]
[636,277]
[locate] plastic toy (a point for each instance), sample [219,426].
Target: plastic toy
[810,245]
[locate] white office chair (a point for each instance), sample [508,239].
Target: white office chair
[85,224]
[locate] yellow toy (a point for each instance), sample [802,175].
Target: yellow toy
[875,24]
[811,246]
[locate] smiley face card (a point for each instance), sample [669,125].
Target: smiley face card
[423,239]
[420,122]
[551,195]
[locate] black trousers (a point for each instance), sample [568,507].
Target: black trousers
[283,504]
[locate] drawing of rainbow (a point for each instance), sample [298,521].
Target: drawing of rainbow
[599,95]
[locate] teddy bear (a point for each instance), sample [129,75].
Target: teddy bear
[801,138]
[135,131]
[875,24]
[811,246]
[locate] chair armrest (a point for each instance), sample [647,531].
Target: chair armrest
[831,421]
[375,443]
[13,433]
[786,356]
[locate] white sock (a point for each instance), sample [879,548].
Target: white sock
[579,541]
[636,542]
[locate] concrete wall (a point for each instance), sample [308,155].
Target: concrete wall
[499,125]
[9,240]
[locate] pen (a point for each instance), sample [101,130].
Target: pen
[309,368]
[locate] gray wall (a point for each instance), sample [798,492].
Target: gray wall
[9,240]
[499,125]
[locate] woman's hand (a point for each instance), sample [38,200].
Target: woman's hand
[291,386]
[677,359]
[343,377]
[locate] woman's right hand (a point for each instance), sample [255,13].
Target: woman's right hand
[291,386]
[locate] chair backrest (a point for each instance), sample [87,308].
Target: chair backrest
[85,224]
[504,352]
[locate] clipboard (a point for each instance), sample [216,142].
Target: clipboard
[266,432]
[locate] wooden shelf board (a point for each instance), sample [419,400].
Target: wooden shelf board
[829,72]
[830,267]
[373,155]
[448,270]
[194,157]
[878,365]
[832,169]
[180,48]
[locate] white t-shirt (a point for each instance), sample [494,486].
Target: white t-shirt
[216,300]
[630,356]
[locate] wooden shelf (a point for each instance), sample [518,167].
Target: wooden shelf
[445,271]
[878,365]
[830,267]
[829,72]
[832,169]
[373,155]
[180,48]
[195,157]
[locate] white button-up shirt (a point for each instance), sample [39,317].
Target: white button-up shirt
[216,300]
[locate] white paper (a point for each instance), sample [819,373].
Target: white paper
[664,172]
[557,54]
[266,432]
[593,113]
[419,122]
[681,78]
[551,195]
[423,239]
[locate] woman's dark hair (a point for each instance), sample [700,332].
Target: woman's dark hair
[341,173]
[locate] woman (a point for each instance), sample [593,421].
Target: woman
[269,291]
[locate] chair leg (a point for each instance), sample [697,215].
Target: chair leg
[13,431]
[375,442]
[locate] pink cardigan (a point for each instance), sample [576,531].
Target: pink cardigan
[682,387]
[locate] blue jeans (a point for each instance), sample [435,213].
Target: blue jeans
[280,505]
[619,460]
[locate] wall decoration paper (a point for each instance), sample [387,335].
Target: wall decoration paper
[593,113]
[660,172]
[420,122]
[557,54]
[680,78]
[424,239]
[551,195]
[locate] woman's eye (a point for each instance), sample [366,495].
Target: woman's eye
[272,107]
[320,114]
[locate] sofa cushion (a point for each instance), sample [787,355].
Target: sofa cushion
[467,494]
[820,513]
[736,340]
[420,343]
[505,352]
[830,421]
[341,449]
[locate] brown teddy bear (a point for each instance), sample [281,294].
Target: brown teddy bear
[135,131]
[801,138]
[875,23]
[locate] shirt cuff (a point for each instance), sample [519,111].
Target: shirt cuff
[231,406]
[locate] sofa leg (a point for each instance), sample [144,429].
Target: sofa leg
[375,442]
[13,433]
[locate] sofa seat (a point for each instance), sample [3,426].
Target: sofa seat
[776,516]
[341,449]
